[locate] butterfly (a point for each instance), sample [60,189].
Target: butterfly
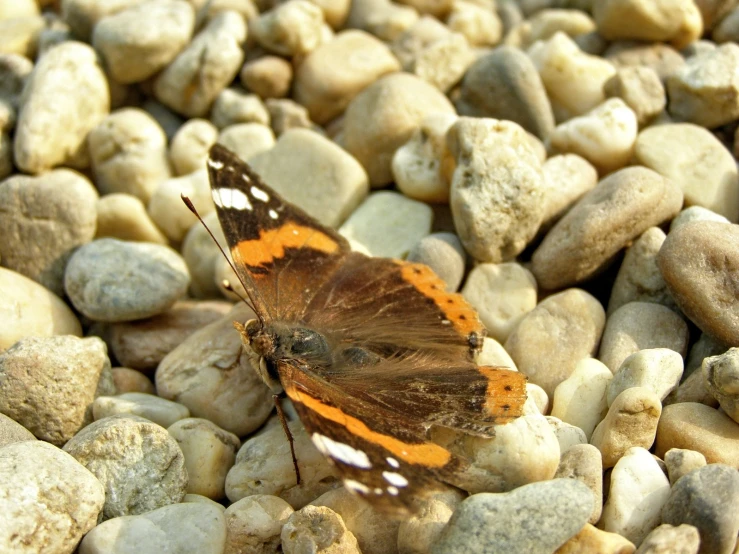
[372,352]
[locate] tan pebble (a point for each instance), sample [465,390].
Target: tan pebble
[641,89]
[123,216]
[721,374]
[188,150]
[584,463]
[681,539]
[493,353]
[680,461]
[567,435]
[581,398]
[662,58]
[382,18]
[247,140]
[481,26]
[692,389]
[267,76]
[286,114]
[233,106]
[202,256]
[160,411]
[417,534]
[317,529]
[254,523]
[658,369]
[567,178]
[170,214]
[83,15]
[131,380]
[11,431]
[411,42]
[19,35]
[543,24]
[444,62]
[289,29]
[591,539]
[19,8]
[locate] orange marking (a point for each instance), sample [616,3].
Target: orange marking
[272,243]
[427,454]
[496,395]
[454,307]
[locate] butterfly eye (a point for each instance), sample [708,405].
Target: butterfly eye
[252,327]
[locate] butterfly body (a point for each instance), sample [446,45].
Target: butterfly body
[373,353]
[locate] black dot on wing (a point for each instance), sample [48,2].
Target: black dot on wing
[450,300]
[416,271]
[462,317]
[506,407]
[508,388]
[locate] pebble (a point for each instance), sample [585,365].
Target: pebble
[185,527]
[334,73]
[209,453]
[641,89]
[286,114]
[567,435]
[638,326]
[505,84]
[140,41]
[705,91]
[482,27]
[618,210]
[167,119]
[683,539]
[267,76]
[160,411]
[444,62]
[416,38]
[137,461]
[591,539]
[170,214]
[128,150]
[662,58]
[126,379]
[248,140]
[694,160]
[422,166]
[264,466]
[143,344]
[317,175]
[83,15]
[722,381]
[444,254]
[639,278]
[201,254]
[502,294]
[698,427]
[573,79]
[552,338]
[14,72]
[64,98]
[19,35]
[156,277]
[189,147]
[580,399]
[208,374]
[44,219]
[696,213]
[375,532]
[493,353]
[383,117]
[254,524]
[567,178]
[191,83]
[631,421]
[48,500]
[381,18]
[639,490]
[19,8]
[233,106]
[47,384]
[679,25]
[697,262]
[532,519]
[123,216]
[28,309]
[680,461]
[543,24]
[317,529]
[657,369]
[727,29]
[495,189]
[12,431]
[289,29]
[405,222]
[692,389]
[584,463]
[605,136]
[538,397]
[418,533]
[708,499]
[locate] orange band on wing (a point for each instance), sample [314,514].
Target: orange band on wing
[455,308]
[427,454]
[272,243]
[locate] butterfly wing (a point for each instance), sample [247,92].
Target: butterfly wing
[281,254]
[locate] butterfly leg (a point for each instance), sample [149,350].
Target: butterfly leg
[283,421]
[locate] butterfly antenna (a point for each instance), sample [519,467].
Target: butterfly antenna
[226,284]
[250,301]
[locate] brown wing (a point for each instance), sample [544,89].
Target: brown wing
[282,255]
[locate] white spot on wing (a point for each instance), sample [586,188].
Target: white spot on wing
[231,198]
[356,486]
[392,490]
[395,479]
[273,214]
[392,462]
[259,194]
[214,164]
[341,452]
[378,491]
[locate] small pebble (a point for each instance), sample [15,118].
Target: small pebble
[156,277]
[12,431]
[591,539]
[641,89]
[683,539]
[418,533]
[201,254]
[381,18]
[584,463]
[289,29]
[267,76]
[680,461]
[254,524]
[170,214]
[444,62]
[14,72]
[722,381]
[692,389]
[83,15]
[124,217]
[708,499]
[662,58]
[567,435]
[160,411]
[444,254]
[188,150]
[580,399]
[233,106]
[567,178]
[20,35]
[248,140]
[657,369]
[543,24]
[480,25]
[126,379]
[286,114]
[317,529]
[696,213]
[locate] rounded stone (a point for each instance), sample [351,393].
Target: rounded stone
[124,217]
[48,384]
[482,27]
[641,89]
[138,463]
[188,150]
[680,461]
[417,534]
[544,23]
[170,214]
[505,84]
[444,254]
[696,213]
[14,72]
[65,97]
[721,375]
[592,539]
[410,44]
[128,150]
[317,529]
[160,411]
[583,462]
[83,15]
[580,399]
[20,35]
[289,29]
[567,178]
[683,539]
[11,431]
[567,435]
[698,262]
[386,20]
[383,117]
[619,209]
[126,379]
[444,62]
[286,114]
[254,524]
[658,369]
[48,500]
[233,106]
[248,140]
[662,58]
[267,76]
[139,41]
[156,277]
[696,161]
[42,220]
[553,337]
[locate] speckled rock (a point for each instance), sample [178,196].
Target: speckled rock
[12,431]
[289,29]
[418,533]
[584,463]
[233,106]
[254,524]
[444,254]
[721,374]
[567,178]
[680,461]
[581,398]
[156,276]
[317,529]
[697,261]
[640,87]
[658,369]
[138,463]
[683,539]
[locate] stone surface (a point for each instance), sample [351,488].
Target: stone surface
[11,431]
[567,178]
[567,435]
[543,24]
[65,97]
[47,384]
[662,58]
[658,369]
[699,262]
[683,539]
[584,463]
[680,461]
[138,463]
[160,411]
[619,209]
[495,189]
[580,399]
[83,15]
[248,140]
[124,217]
[552,338]
[590,539]
[444,62]
[188,150]
[444,254]
[42,220]
[254,524]
[418,533]
[317,529]
[641,89]
[168,211]
[233,106]
[267,76]
[707,498]
[126,379]
[553,512]
[289,29]
[48,500]
[721,375]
